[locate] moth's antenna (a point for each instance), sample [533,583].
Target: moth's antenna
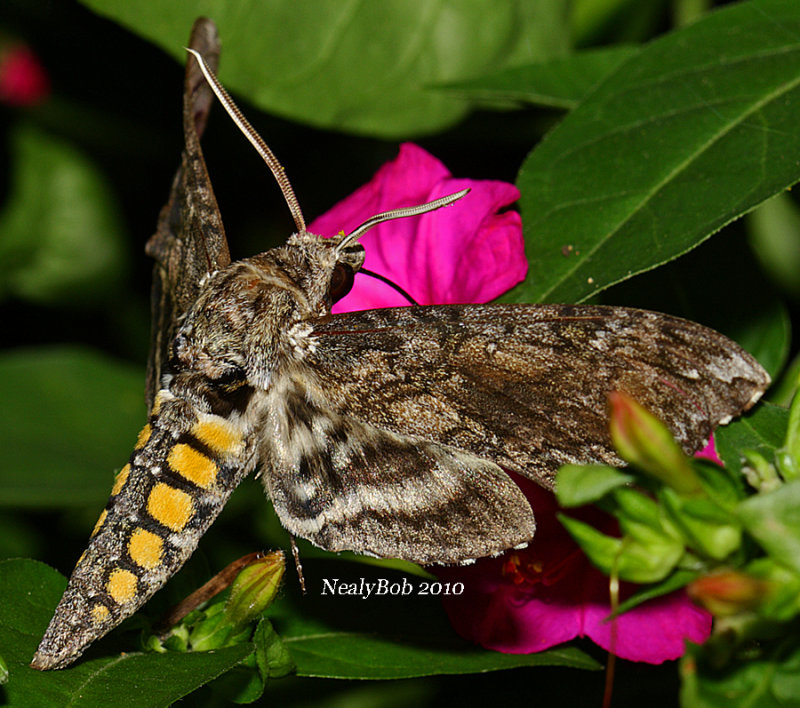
[255,140]
[399,214]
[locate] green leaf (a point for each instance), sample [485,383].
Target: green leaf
[69,419]
[385,637]
[366,656]
[624,20]
[271,660]
[770,680]
[601,549]
[788,456]
[773,519]
[784,389]
[272,656]
[643,556]
[583,484]
[706,527]
[774,230]
[356,66]
[62,239]
[761,430]
[782,602]
[635,507]
[674,581]
[720,485]
[693,132]
[30,591]
[562,83]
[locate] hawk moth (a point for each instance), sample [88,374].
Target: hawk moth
[386,432]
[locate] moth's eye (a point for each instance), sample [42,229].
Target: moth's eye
[341,282]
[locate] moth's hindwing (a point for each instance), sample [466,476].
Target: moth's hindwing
[345,484]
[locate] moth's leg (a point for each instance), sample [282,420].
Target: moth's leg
[297,564]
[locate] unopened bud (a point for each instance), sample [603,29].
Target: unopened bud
[255,588]
[23,80]
[729,592]
[644,441]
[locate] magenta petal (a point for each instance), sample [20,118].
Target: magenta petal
[564,599]
[469,252]
[500,616]
[653,632]
[547,623]
[709,452]
[405,181]
[463,253]
[504,620]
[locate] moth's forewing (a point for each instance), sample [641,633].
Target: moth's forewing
[190,239]
[527,385]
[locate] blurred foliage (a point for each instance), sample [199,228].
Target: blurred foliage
[734,546]
[679,122]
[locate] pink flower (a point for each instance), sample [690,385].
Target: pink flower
[709,452]
[23,81]
[463,253]
[533,599]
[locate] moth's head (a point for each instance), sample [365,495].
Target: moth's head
[324,268]
[328,265]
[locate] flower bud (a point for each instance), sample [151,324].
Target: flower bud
[23,81]
[644,441]
[760,474]
[255,588]
[729,592]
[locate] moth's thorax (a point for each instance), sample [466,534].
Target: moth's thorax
[249,317]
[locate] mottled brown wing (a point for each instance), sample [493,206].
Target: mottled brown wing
[344,484]
[527,386]
[190,240]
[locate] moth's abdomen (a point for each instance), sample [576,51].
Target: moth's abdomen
[185,465]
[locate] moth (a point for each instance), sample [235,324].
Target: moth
[385,432]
